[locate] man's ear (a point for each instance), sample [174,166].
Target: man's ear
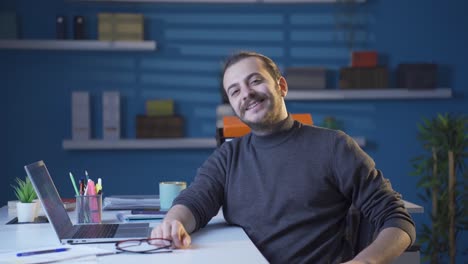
[283,85]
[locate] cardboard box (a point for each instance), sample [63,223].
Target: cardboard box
[111,115]
[364,59]
[159,126]
[417,76]
[160,107]
[306,78]
[363,78]
[120,26]
[81,123]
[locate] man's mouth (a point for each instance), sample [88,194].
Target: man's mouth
[253,104]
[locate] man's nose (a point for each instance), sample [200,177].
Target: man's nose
[247,92]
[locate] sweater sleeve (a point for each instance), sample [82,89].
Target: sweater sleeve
[204,197]
[367,189]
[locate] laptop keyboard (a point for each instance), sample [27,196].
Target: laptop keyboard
[96,231]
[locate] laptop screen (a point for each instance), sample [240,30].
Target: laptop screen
[50,199]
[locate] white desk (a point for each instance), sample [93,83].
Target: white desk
[216,243]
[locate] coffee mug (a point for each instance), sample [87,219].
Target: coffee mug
[168,191]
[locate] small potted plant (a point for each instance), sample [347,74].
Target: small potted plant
[26,208]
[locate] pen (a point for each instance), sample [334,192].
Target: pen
[86,173]
[74,184]
[30,253]
[99,186]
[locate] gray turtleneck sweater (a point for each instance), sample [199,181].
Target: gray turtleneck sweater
[291,191]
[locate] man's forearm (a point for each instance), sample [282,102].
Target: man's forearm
[390,243]
[182,214]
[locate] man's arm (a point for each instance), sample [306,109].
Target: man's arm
[176,226]
[390,243]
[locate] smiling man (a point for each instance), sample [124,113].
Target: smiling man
[288,185]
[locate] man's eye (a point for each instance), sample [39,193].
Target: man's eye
[256,81]
[235,92]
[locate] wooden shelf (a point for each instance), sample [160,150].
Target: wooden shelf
[78,45]
[368,94]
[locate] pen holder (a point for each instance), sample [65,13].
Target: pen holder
[89,209]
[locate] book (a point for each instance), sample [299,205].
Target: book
[126,217]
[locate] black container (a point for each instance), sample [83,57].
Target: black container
[61,27]
[417,76]
[78,27]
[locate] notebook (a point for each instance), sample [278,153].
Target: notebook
[60,220]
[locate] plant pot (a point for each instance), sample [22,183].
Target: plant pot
[26,212]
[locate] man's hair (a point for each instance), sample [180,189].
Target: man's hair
[269,65]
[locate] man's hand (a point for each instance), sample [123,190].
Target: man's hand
[172,230]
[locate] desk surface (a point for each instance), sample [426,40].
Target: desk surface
[217,241]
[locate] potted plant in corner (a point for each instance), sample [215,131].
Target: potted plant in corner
[26,208]
[443,179]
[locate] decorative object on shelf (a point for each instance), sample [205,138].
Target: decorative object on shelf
[363,77]
[111,115]
[417,75]
[60,27]
[445,140]
[8,25]
[26,208]
[306,78]
[78,27]
[81,116]
[120,26]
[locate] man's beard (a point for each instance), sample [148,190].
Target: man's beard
[271,114]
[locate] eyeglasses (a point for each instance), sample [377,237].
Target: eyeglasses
[145,246]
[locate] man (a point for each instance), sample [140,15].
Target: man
[288,185]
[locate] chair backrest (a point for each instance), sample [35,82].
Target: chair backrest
[234,127]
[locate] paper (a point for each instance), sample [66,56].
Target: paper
[128,202]
[76,253]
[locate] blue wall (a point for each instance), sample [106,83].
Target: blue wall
[192,41]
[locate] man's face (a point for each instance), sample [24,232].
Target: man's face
[253,93]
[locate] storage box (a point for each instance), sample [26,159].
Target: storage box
[120,26]
[363,78]
[160,107]
[159,126]
[306,78]
[81,123]
[417,76]
[364,59]
[111,115]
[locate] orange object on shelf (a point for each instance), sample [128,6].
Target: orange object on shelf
[234,127]
[364,59]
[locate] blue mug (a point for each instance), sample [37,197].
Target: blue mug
[168,191]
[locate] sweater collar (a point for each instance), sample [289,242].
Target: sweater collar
[284,131]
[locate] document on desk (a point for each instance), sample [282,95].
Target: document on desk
[76,253]
[128,202]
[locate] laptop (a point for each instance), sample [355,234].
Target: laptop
[60,220]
